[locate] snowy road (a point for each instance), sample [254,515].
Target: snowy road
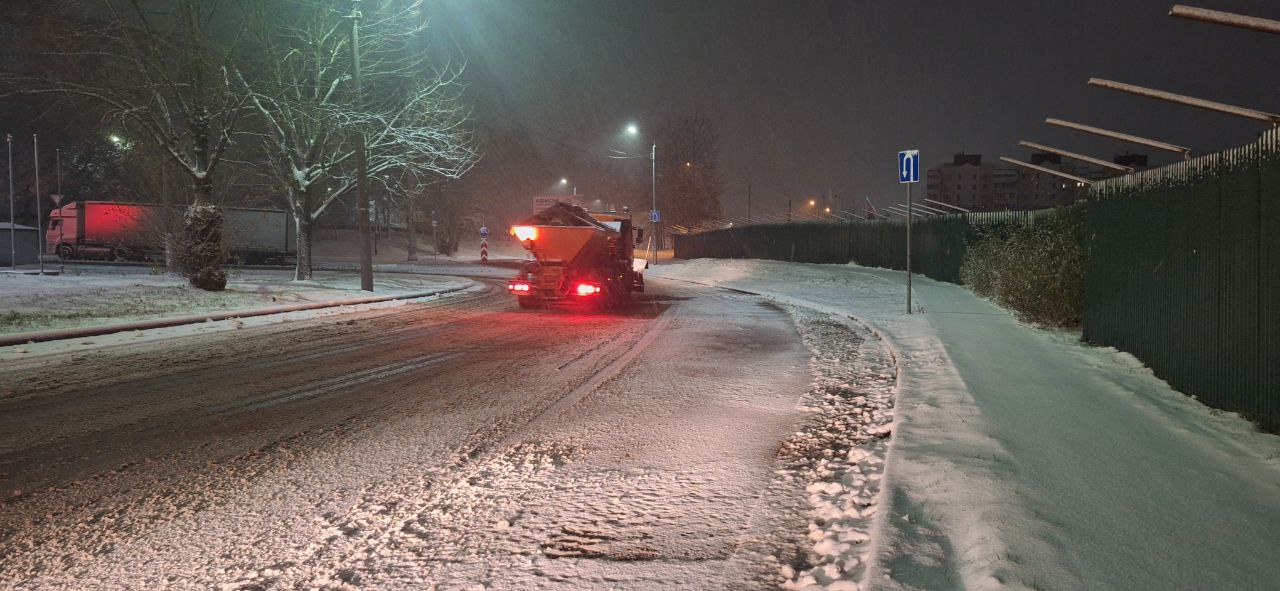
[464,444]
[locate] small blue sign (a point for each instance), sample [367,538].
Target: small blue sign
[909,166]
[484,231]
[655,216]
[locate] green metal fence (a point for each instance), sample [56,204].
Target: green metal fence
[938,243]
[1184,272]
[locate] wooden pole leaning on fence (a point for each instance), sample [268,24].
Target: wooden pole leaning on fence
[1124,137]
[1079,179]
[1189,101]
[1225,18]
[914,206]
[932,210]
[1075,156]
[903,212]
[947,205]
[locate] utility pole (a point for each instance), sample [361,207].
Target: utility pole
[35,142]
[58,202]
[653,171]
[13,230]
[362,162]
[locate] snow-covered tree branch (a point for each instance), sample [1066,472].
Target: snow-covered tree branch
[160,68]
[415,121]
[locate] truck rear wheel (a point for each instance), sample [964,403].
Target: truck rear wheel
[529,303]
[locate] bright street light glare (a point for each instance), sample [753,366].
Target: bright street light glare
[564,181]
[632,129]
[115,139]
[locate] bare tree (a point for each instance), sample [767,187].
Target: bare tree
[689,179]
[415,122]
[159,67]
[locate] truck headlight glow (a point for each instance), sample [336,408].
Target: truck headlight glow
[523,233]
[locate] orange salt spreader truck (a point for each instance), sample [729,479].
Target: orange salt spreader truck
[578,258]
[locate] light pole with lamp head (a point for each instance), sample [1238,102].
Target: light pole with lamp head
[634,131]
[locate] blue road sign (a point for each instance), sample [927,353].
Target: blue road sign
[655,216]
[909,166]
[484,231]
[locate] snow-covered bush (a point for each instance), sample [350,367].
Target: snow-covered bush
[1034,267]
[202,252]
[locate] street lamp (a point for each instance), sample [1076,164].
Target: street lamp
[634,131]
[564,182]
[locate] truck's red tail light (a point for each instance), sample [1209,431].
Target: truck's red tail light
[523,233]
[519,287]
[586,289]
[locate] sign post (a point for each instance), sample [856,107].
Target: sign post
[655,217]
[908,174]
[435,238]
[484,245]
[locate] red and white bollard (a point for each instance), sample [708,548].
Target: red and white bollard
[484,250]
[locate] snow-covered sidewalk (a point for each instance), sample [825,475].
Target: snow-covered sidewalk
[33,302]
[1023,458]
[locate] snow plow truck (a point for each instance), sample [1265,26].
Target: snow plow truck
[578,258]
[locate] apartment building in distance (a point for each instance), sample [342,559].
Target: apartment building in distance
[975,185]
[14,55]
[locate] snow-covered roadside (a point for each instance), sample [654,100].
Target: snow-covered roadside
[32,302]
[1022,458]
[839,455]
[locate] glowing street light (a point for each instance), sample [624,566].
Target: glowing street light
[564,181]
[634,131]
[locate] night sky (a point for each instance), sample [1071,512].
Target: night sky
[811,95]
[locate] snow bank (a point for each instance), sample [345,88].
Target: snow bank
[1022,458]
[839,456]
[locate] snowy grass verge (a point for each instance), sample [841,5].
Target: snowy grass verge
[31,303]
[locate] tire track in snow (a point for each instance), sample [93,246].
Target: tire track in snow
[467,464]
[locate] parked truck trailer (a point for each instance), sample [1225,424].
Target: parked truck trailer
[135,231]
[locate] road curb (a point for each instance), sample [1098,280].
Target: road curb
[93,331]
